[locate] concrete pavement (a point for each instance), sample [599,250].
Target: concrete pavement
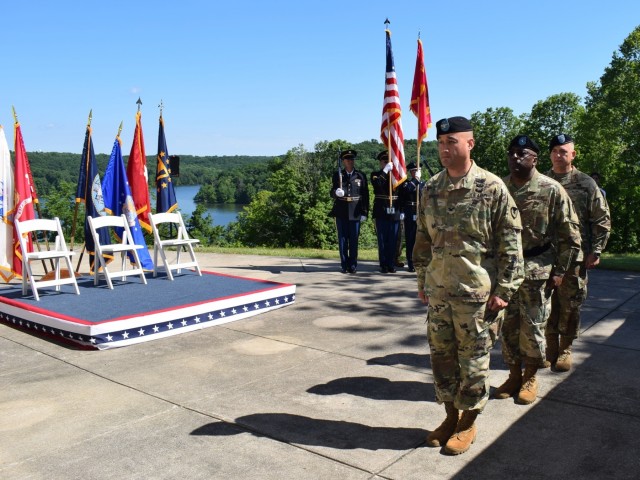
[337,385]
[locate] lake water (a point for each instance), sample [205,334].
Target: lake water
[222,214]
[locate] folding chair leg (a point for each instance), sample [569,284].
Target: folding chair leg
[24,278]
[155,260]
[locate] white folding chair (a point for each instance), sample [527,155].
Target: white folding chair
[126,245]
[180,241]
[59,252]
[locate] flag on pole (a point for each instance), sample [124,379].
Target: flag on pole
[25,197]
[6,209]
[420,96]
[166,195]
[391,130]
[118,200]
[89,192]
[138,176]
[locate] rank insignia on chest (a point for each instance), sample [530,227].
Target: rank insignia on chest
[358,182]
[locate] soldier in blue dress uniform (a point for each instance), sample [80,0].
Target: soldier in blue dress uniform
[350,195]
[409,192]
[387,214]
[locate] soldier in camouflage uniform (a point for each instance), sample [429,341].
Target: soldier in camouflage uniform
[595,224]
[468,259]
[550,240]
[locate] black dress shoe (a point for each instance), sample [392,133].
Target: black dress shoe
[411,269]
[399,264]
[384,269]
[352,270]
[392,270]
[344,270]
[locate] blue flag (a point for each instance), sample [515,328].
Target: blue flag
[118,200]
[166,195]
[89,192]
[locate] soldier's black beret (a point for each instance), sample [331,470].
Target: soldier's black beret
[349,155]
[383,155]
[560,139]
[453,125]
[524,141]
[412,166]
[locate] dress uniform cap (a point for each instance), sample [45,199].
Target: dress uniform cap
[383,155]
[560,139]
[349,155]
[524,141]
[453,125]
[412,166]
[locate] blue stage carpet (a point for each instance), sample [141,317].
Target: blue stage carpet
[133,312]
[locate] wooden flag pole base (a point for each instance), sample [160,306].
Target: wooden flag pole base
[64,273]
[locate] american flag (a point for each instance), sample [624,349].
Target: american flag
[391,130]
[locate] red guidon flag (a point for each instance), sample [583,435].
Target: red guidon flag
[420,96]
[138,176]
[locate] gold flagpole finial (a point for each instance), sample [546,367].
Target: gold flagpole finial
[90,117]
[139,103]
[161,106]
[387,22]
[15,115]
[119,129]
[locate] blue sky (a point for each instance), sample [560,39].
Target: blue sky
[259,78]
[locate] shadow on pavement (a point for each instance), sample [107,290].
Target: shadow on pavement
[298,429]
[377,389]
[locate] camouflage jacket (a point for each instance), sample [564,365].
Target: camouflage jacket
[550,226]
[468,243]
[591,207]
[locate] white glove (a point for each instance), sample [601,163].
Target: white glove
[339,192]
[363,218]
[402,216]
[387,168]
[418,174]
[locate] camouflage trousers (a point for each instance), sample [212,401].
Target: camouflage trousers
[567,301]
[524,324]
[460,340]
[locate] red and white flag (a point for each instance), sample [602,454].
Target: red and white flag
[391,129]
[25,197]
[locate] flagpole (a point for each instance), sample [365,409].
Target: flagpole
[37,204]
[418,153]
[75,214]
[386,28]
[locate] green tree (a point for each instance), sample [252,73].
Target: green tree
[556,114]
[493,130]
[609,140]
[200,226]
[60,202]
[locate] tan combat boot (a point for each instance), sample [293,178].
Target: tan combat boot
[512,385]
[552,349]
[564,358]
[529,390]
[440,435]
[464,435]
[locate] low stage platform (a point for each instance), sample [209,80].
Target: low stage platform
[100,318]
